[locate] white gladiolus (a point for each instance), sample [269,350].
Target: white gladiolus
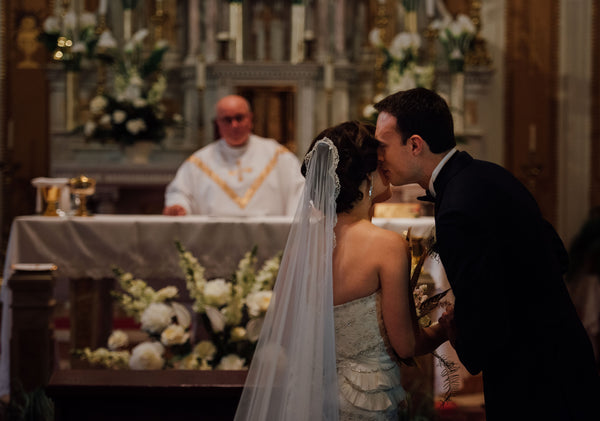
[166,293]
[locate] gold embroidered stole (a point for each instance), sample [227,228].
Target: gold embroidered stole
[240,201]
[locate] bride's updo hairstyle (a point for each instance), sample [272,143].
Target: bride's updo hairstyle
[357,149]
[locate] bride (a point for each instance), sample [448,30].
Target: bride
[342,311]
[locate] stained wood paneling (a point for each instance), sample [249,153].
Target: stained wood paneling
[531,97]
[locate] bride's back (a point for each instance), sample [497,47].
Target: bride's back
[359,254]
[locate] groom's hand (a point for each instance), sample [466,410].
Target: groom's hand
[447,322]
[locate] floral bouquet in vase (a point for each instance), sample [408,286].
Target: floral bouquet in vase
[232,310]
[165,321]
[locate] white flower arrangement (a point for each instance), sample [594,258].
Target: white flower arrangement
[232,310]
[134,111]
[456,37]
[67,43]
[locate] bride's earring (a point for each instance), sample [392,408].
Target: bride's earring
[370,189]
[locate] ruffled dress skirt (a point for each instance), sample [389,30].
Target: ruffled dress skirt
[368,378]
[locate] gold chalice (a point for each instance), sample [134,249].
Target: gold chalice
[51,195]
[82,187]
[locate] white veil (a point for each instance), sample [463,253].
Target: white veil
[293,373]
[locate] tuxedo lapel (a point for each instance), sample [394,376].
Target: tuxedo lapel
[455,164]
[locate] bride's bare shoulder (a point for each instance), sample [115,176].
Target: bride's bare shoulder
[388,241]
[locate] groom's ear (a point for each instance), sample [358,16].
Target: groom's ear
[416,143]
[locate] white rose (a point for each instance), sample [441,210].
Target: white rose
[147,356]
[105,120]
[89,127]
[78,48]
[139,102]
[156,317]
[87,19]
[70,21]
[98,104]
[52,25]
[238,334]
[217,292]
[174,335]
[119,116]
[118,339]
[107,40]
[258,302]
[205,350]
[135,126]
[369,111]
[375,37]
[231,362]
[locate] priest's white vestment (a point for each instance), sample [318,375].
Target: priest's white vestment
[261,178]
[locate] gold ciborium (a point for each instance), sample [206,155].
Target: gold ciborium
[82,187]
[50,191]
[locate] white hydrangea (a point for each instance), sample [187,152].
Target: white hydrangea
[147,356]
[157,317]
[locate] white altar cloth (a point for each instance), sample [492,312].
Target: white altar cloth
[145,246]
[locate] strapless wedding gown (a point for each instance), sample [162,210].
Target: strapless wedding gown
[368,378]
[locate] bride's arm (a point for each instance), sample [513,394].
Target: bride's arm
[398,307]
[398,315]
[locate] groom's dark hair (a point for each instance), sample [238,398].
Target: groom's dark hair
[422,112]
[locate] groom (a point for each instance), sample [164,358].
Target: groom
[514,319]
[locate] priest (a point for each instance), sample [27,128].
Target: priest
[241,174]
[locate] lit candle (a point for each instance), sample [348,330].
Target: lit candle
[532,138]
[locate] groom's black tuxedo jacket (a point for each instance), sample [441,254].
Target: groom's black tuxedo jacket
[515,320]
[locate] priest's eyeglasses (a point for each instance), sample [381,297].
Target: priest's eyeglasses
[228,120]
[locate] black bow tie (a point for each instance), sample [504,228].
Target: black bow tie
[427,198]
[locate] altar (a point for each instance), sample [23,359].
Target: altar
[88,248]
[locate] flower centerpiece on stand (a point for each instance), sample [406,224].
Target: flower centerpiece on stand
[165,321]
[456,36]
[70,39]
[134,113]
[231,311]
